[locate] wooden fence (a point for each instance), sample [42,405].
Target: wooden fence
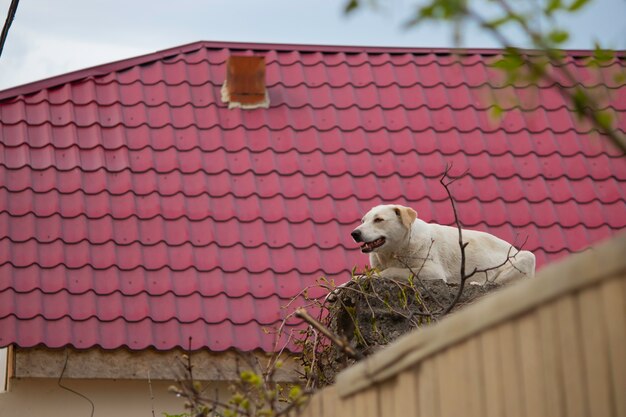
[554,346]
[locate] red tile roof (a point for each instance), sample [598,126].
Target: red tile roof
[137,210]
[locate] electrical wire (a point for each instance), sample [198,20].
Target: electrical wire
[67,356]
[7,23]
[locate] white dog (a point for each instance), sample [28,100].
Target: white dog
[397,240]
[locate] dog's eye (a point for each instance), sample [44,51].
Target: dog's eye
[378,220]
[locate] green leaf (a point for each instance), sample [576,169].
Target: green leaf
[558,36]
[509,62]
[498,22]
[295,392]
[251,378]
[245,404]
[580,101]
[496,112]
[602,55]
[605,119]
[537,71]
[577,4]
[426,12]
[236,398]
[619,78]
[452,8]
[351,6]
[502,64]
[441,10]
[553,6]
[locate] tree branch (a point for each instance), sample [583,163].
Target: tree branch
[338,341]
[462,245]
[590,110]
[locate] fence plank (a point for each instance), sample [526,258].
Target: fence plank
[332,405]
[614,303]
[387,391]
[449,381]
[511,371]
[595,352]
[475,378]
[428,389]
[406,394]
[366,403]
[314,407]
[460,372]
[529,338]
[551,361]
[347,405]
[571,357]
[494,406]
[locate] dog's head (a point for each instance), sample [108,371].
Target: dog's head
[384,226]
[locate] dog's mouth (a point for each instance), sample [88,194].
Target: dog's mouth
[370,246]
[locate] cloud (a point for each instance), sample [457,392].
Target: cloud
[51,38]
[29,56]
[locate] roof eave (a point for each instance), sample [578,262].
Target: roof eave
[102,69]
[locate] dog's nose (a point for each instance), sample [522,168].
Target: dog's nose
[356,235]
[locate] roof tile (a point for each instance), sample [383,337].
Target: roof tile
[137,210]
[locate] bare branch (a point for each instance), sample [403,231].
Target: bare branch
[507,260]
[462,244]
[341,343]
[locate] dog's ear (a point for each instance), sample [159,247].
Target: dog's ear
[406,215]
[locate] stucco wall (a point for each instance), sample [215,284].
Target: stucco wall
[30,397]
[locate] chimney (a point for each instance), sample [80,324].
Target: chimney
[245,83]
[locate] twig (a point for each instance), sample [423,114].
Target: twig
[417,276]
[313,379]
[462,244]
[390,307]
[341,343]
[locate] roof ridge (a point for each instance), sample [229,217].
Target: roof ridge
[114,66]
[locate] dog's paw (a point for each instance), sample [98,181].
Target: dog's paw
[401,274]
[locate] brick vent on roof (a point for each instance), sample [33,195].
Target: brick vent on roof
[244,86]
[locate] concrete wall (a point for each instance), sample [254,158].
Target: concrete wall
[554,346]
[96,363]
[30,397]
[116,381]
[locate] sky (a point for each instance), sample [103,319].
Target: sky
[50,38]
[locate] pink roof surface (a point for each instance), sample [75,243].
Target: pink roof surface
[137,210]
